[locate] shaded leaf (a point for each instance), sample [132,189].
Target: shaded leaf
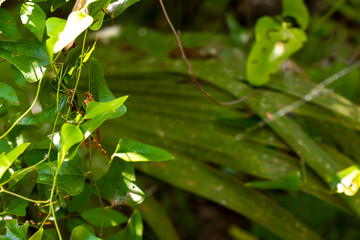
[157,218]
[15,205]
[296,9]
[112,218]
[29,57]
[47,115]
[57,3]
[8,94]
[83,232]
[14,231]
[133,151]
[70,177]
[291,182]
[118,185]
[7,160]
[18,77]
[79,201]
[8,25]
[133,230]
[38,235]
[97,11]
[33,17]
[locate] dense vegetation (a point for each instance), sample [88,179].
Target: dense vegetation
[281,162]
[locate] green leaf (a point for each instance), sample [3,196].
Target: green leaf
[34,18]
[132,151]
[18,77]
[296,9]
[29,57]
[112,218]
[98,86]
[8,94]
[83,232]
[38,235]
[15,205]
[76,23]
[157,218]
[349,183]
[47,115]
[95,109]
[72,223]
[118,185]
[133,230]
[70,178]
[14,231]
[57,3]
[69,136]
[116,7]
[79,201]
[7,160]
[97,11]
[274,43]
[291,182]
[54,26]
[8,25]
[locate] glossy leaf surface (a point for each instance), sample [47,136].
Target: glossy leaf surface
[33,17]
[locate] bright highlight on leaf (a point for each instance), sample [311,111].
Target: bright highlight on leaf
[133,151]
[349,180]
[7,160]
[33,17]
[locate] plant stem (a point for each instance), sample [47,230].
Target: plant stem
[97,191]
[27,111]
[79,74]
[22,197]
[52,195]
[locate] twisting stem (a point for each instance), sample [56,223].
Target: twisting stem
[52,195]
[191,73]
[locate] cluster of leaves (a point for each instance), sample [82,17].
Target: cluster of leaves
[56,172]
[292,134]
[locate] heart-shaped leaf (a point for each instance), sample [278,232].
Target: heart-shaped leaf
[34,18]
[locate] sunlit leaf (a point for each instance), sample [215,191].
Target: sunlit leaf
[14,231]
[33,17]
[76,23]
[116,7]
[349,180]
[133,151]
[69,136]
[133,230]
[112,218]
[7,160]
[274,43]
[95,109]
[8,25]
[54,26]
